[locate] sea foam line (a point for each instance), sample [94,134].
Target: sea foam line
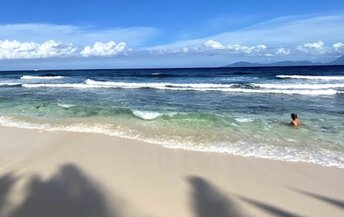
[151,115]
[299,86]
[62,105]
[185,87]
[9,84]
[43,77]
[311,77]
[155,85]
[132,85]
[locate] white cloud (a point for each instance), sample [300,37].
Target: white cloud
[32,50]
[247,49]
[338,47]
[317,47]
[12,49]
[214,44]
[282,51]
[103,49]
[212,47]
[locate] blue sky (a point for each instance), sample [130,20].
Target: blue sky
[125,34]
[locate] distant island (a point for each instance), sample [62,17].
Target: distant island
[338,61]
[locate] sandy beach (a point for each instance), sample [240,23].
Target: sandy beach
[79,174]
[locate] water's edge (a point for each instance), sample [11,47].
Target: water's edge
[167,145]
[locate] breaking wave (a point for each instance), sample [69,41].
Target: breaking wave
[311,77]
[62,105]
[320,89]
[9,84]
[43,77]
[300,86]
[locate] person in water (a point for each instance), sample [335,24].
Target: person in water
[295,121]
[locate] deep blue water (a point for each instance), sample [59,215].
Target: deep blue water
[242,111]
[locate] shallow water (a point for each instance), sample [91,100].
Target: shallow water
[243,111]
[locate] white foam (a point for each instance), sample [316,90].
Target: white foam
[132,85]
[66,85]
[156,85]
[177,86]
[147,115]
[285,91]
[244,120]
[299,86]
[311,77]
[65,105]
[33,77]
[10,84]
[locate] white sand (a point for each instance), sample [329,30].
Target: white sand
[56,174]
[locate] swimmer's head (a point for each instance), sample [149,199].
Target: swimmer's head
[293,116]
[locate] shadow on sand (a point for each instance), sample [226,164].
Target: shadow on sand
[69,193]
[6,183]
[334,202]
[208,201]
[273,210]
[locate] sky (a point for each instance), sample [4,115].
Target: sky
[46,34]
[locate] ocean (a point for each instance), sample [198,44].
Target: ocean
[241,111]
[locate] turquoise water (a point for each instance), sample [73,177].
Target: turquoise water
[239,111]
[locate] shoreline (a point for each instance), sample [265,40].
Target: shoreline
[122,177]
[165,144]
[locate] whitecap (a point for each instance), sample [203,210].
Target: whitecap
[146,115]
[9,84]
[155,85]
[299,86]
[244,120]
[66,85]
[178,86]
[47,77]
[62,105]
[311,77]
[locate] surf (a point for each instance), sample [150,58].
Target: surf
[311,77]
[234,88]
[41,77]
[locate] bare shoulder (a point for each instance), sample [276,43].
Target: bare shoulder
[295,123]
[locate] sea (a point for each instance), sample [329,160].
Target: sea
[240,111]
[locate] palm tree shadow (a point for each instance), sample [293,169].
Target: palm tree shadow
[267,207]
[208,201]
[334,202]
[6,183]
[68,193]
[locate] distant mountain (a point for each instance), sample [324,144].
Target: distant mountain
[244,64]
[339,61]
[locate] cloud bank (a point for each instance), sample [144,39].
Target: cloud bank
[49,49]
[213,47]
[56,49]
[31,50]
